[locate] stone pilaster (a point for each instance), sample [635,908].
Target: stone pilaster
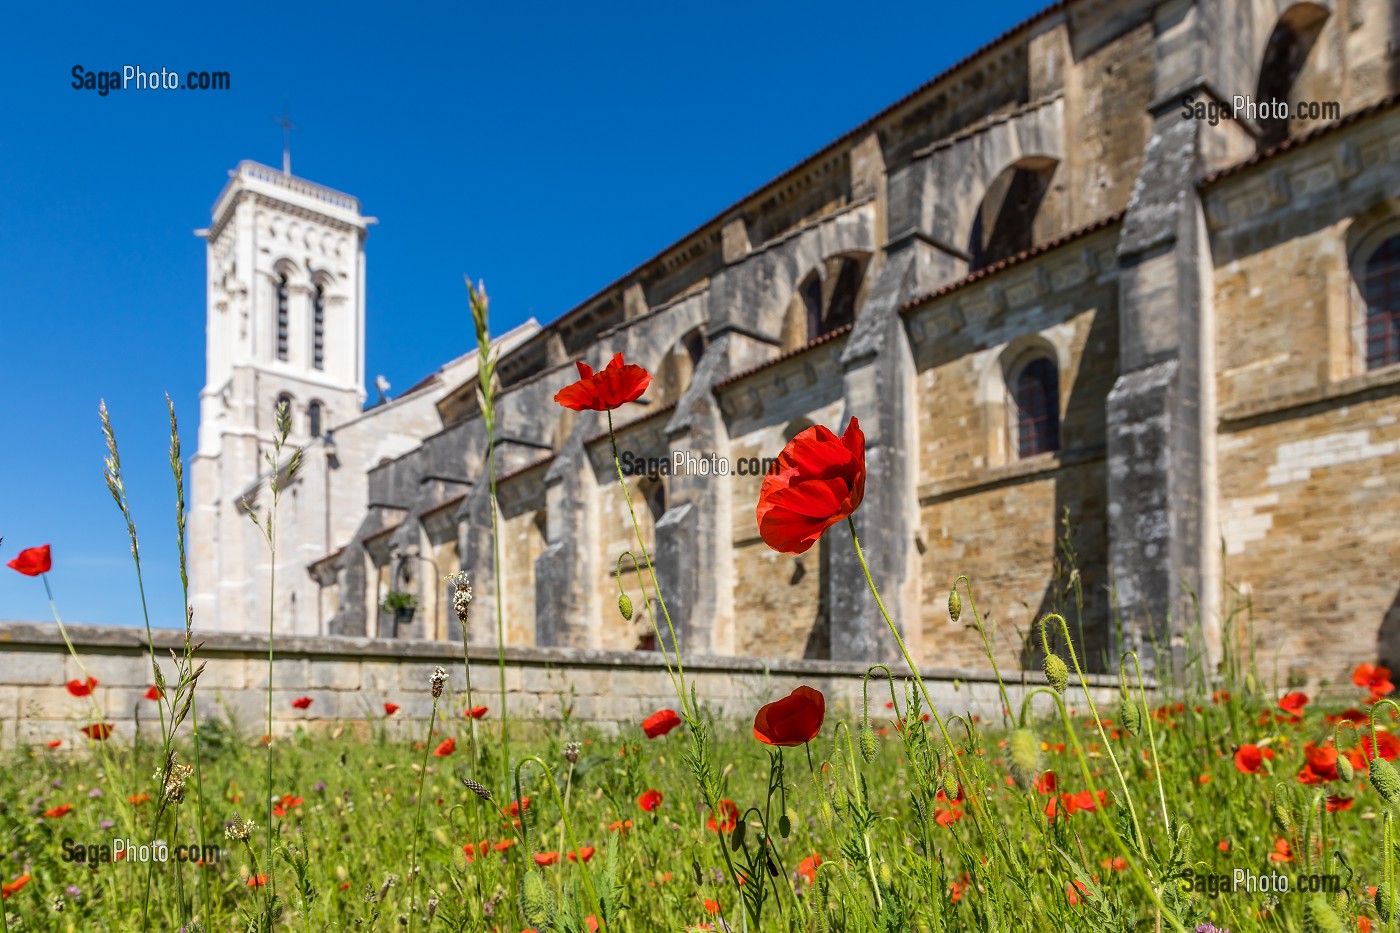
[568,607]
[478,558]
[880,390]
[1161,407]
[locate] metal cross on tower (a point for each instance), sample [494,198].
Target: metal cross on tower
[285,121]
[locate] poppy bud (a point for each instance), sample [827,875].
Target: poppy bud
[538,901]
[954,604]
[1025,757]
[1056,673]
[1283,813]
[1322,918]
[1385,901]
[869,745]
[886,876]
[1130,715]
[828,814]
[1385,780]
[1345,769]
[624,606]
[950,784]
[785,825]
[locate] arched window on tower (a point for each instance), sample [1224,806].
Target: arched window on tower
[829,302]
[318,327]
[283,316]
[313,419]
[1380,286]
[1037,396]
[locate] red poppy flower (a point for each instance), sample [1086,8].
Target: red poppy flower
[301,702]
[711,907]
[1283,852]
[1117,863]
[154,693]
[1321,764]
[81,688]
[476,712]
[10,887]
[1336,803]
[503,845]
[98,731]
[612,387]
[819,480]
[390,709]
[61,810]
[55,743]
[1352,713]
[585,853]
[1386,744]
[517,805]
[31,562]
[286,803]
[793,720]
[807,868]
[728,818]
[1076,891]
[546,858]
[257,881]
[1293,703]
[1046,783]
[1373,677]
[947,816]
[650,800]
[619,826]
[448,746]
[1249,759]
[660,722]
[137,799]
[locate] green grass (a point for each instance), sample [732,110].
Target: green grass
[896,855]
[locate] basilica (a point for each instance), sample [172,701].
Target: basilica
[1120,350]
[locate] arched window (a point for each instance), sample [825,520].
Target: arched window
[284,402]
[313,419]
[1380,285]
[1284,56]
[830,302]
[283,316]
[318,327]
[1005,221]
[1037,394]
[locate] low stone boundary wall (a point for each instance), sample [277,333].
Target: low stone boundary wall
[350,679]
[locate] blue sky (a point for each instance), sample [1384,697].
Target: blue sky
[548,149]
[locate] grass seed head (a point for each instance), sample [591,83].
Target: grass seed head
[1385,901]
[481,790]
[1385,780]
[437,680]
[1025,757]
[1056,672]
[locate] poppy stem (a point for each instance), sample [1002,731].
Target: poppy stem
[651,571]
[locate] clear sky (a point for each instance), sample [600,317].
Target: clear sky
[546,148]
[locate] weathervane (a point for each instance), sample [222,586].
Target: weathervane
[285,121]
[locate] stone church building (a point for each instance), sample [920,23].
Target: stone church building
[1115,350]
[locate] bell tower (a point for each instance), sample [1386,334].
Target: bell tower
[285,323]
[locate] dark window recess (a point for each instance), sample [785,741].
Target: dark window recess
[1038,408]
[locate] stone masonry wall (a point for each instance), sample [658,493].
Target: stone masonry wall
[349,680]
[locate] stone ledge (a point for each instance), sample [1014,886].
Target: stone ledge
[1244,414]
[28,637]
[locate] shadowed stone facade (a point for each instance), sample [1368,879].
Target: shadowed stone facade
[1088,338]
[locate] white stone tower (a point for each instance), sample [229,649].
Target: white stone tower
[285,321]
